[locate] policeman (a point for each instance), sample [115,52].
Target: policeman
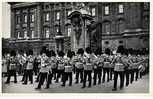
[44,70]
[78,61]
[29,68]
[118,70]
[67,72]
[88,67]
[12,62]
[24,63]
[60,66]
[98,63]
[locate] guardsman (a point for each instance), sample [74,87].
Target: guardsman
[106,67]
[98,64]
[118,70]
[44,70]
[60,66]
[50,73]
[53,61]
[29,68]
[12,62]
[67,71]
[78,61]
[24,63]
[88,67]
[38,61]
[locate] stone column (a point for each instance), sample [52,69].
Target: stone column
[39,21]
[13,35]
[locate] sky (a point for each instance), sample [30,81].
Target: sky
[6,20]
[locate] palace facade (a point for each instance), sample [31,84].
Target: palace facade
[105,25]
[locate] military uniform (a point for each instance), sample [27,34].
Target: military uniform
[67,72]
[44,70]
[12,63]
[106,68]
[118,70]
[60,69]
[29,69]
[98,64]
[53,62]
[88,67]
[78,61]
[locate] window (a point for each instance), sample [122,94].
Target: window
[25,18]
[120,42]
[32,34]
[68,12]
[46,16]
[146,5]
[120,8]
[57,30]
[17,19]
[32,18]
[47,32]
[93,11]
[106,27]
[106,10]
[19,35]
[121,26]
[58,15]
[69,31]
[25,34]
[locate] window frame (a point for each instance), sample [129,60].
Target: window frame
[108,10]
[120,9]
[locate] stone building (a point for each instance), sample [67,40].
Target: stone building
[56,25]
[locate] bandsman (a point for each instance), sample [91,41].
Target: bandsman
[12,67]
[78,61]
[44,70]
[60,66]
[88,67]
[29,68]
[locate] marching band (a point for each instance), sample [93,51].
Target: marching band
[86,65]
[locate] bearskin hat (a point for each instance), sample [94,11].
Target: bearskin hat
[98,51]
[48,53]
[53,53]
[88,50]
[61,53]
[30,52]
[69,54]
[13,53]
[80,51]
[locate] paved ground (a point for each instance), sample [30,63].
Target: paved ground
[140,86]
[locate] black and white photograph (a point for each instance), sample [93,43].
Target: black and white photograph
[75,47]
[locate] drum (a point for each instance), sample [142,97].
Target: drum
[79,65]
[68,69]
[119,67]
[88,66]
[106,65]
[12,66]
[53,65]
[60,66]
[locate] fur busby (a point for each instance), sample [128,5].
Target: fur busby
[61,53]
[53,53]
[69,54]
[88,50]
[30,52]
[80,51]
[48,53]
[98,51]
[13,53]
